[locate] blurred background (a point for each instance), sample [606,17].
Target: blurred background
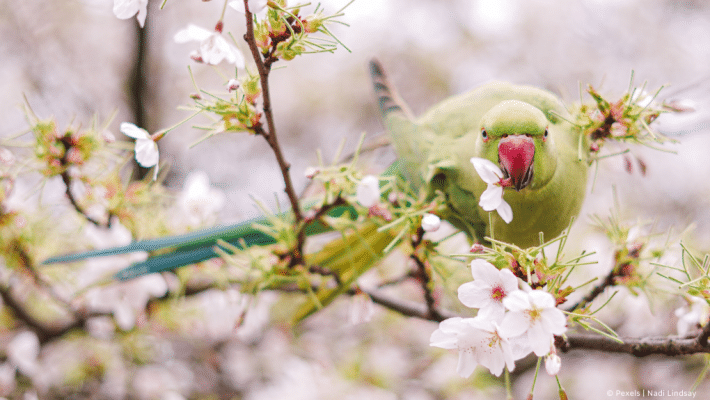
[75,59]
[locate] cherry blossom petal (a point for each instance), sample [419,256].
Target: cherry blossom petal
[483,270]
[491,198]
[133,131]
[255,6]
[474,294]
[124,9]
[517,302]
[553,321]
[514,324]
[489,172]
[192,33]
[540,339]
[147,153]
[505,212]
[540,299]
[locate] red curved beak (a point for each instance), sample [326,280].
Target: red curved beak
[516,154]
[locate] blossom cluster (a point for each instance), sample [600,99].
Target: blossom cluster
[626,119]
[512,321]
[59,149]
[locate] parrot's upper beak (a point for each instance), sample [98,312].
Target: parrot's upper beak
[516,154]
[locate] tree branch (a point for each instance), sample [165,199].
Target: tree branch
[67,182]
[639,347]
[270,135]
[599,289]
[422,275]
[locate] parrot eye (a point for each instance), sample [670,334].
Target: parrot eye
[484,135]
[547,132]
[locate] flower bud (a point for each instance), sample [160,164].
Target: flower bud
[552,364]
[196,56]
[232,85]
[368,191]
[6,157]
[311,172]
[431,223]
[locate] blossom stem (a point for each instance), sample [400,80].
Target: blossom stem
[224,10]
[537,370]
[508,386]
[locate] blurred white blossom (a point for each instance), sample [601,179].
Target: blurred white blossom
[7,379]
[6,157]
[361,309]
[255,6]
[214,48]
[146,150]
[690,316]
[368,191]
[127,299]
[124,9]
[22,351]
[199,202]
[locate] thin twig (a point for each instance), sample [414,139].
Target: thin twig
[270,135]
[423,277]
[599,289]
[67,182]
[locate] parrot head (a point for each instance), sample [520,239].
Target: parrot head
[514,134]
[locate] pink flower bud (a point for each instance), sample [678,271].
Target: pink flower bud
[196,56]
[232,85]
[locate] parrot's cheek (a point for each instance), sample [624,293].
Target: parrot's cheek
[516,154]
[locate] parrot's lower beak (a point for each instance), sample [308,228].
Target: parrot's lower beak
[516,154]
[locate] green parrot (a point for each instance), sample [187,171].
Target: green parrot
[523,129]
[520,129]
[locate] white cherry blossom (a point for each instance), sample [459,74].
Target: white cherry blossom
[214,48]
[22,352]
[146,149]
[199,202]
[533,313]
[478,341]
[492,197]
[255,6]
[489,288]
[124,9]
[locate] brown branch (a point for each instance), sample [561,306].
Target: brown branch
[407,308]
[45,331]
[704,335]
[639,347]
[599,289]
[270,135]
[67,182]
[422,275]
